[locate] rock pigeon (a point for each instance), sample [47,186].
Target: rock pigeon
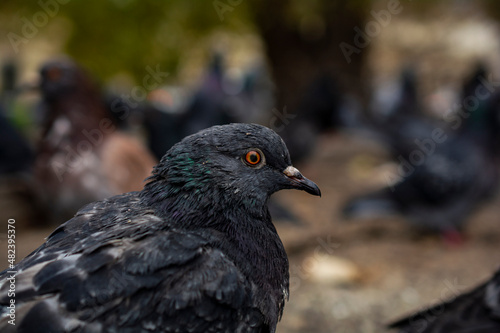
[476,311]
[209,105]
[438,194]
[444,176]
[194,251]
[398,116]
[82,156]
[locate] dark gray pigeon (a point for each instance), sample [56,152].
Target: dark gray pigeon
[477,311]
[437,195]
[443,178]
[194,251]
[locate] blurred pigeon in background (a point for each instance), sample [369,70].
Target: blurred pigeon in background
[445,175]
[81,156]
[208,105]
[159,123]
[398,116]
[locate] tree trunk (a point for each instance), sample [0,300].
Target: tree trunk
[301,49]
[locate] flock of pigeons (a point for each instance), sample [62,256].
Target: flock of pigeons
[445,168]
[195,249]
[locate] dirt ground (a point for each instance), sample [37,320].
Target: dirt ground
[356,276]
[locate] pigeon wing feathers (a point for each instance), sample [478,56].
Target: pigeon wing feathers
[176,280]
[90,268]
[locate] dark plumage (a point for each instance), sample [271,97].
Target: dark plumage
[194,251]
[477,311]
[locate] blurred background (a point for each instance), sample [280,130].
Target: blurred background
[391,107]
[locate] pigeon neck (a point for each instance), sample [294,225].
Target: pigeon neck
[259,253]
[188,206]
[249,237]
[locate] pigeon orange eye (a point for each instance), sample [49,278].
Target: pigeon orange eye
[253,157]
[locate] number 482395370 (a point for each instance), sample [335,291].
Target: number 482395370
[11,247]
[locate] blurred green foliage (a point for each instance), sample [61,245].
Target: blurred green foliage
[109,36]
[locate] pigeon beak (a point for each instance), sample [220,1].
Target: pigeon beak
[300,182]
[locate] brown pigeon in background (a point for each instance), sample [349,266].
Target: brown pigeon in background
[82,157]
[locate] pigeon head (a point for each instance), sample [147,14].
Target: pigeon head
[68,91]
[60,78]
[236,165]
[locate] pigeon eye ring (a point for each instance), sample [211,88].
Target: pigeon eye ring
[254,158]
